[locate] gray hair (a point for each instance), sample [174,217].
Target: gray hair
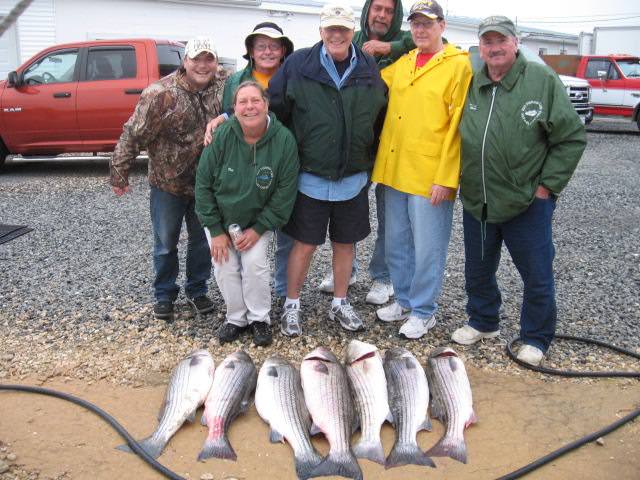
[251,83]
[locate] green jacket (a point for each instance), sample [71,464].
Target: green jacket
[253,186]
[517,134]
[232,83]
[336,130]
[401,41]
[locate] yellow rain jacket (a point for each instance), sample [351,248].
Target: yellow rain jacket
[420,143]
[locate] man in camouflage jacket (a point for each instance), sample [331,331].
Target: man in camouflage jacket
[169,122]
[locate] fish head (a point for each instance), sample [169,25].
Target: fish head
[357,351]
[396,353]
[274,364]
[322,354]
[443,352]
[198,357]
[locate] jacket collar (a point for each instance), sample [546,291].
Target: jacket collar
[510,79]
[272,127]
[313,69]
[448,51]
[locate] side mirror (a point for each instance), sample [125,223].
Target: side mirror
[602,74]
[12,79]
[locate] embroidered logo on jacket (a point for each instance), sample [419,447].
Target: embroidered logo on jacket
[531,111]
[264,177]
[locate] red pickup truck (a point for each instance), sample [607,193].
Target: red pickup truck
[76,97]
[614,80]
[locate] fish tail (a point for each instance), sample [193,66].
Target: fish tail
[343,464]
[218,447]
[450,447]
[407,454]
[370,449]
[153,446]
[306,464]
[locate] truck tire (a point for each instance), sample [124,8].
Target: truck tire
[4,153]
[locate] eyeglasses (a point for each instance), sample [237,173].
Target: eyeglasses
[263,47]
[425,24]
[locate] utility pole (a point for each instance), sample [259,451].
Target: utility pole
[13,15]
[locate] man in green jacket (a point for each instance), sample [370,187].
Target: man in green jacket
[521,142]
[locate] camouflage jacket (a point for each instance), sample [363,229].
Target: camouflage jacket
[169,122]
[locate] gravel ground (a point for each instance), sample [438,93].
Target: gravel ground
[76,293]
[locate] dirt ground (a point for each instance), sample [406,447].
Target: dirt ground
[520,419]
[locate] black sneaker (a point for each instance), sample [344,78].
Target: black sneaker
[229,332]
[163,311]
[261,334]
[201,304]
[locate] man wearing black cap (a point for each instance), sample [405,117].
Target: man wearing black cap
[521,142]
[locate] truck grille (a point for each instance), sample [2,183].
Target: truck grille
[579,97]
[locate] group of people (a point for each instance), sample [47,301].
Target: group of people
[295,140]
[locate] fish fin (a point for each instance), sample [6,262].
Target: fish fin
[153,447]
[161,410]
[192,417]
[275,436]
[217,448]
[473,418]
[371,450]
[437,409]
[447,447]
[390,418]
[355,424]
[343,464]
[306,465]
[314,430]
[407,454]
[426,425]
[203,420]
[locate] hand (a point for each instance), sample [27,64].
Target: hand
[119,191]
[440,193]
[376,48]
[211,126]
[247,240]
[543,192]
[220,248]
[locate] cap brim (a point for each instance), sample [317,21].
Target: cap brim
[432,16]
[267,32]
[498,29]
[336,22]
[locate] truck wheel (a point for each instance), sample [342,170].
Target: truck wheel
[4,153]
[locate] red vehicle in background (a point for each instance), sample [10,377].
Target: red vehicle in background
[76,97]
[614,80]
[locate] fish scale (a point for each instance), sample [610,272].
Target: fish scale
[453,402]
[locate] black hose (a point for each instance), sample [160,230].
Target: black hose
[572,373]
[135,447]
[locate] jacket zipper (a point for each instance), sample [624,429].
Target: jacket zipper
[484,139]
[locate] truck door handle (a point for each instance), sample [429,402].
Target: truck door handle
[133,91]
[61,95]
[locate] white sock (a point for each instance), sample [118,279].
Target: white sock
[337,301]
[292,303]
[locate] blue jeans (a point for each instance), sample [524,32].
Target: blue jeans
[284,244]
[167,212]
[378,266]
[528,238]
[417,235]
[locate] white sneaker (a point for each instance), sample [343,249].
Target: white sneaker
[416,327]
[530,354]
[380,292]
[326,285]
[468,335]
[392,313]
[347,316]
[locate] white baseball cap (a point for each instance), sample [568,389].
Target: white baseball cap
[337,14]
[197,45]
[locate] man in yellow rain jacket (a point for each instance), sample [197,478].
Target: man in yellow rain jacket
[418,161]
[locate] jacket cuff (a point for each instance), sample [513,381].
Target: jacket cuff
[396,49]
[216,230]
[259,228]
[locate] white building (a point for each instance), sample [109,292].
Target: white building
[48,22]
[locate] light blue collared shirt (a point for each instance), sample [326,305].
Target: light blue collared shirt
[332,190]
[330,66]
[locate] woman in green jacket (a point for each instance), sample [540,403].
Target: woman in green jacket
[248,176]
[267,47]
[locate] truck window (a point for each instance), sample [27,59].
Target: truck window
[169,58]
[111,63]
[596,65]
[630,67]
[57,67]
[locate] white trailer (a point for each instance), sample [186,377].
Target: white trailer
[616,40]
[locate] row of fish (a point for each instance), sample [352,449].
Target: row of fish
[325,396]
